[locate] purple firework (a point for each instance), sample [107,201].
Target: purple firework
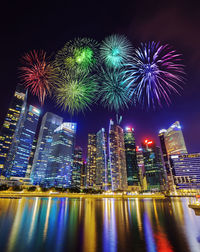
[154,73]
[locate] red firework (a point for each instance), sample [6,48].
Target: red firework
[37,74]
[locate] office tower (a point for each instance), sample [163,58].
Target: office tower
[186,170]
[174,140]
[18,156]
[49,123]
[60,159]
[8,128]
[77,167]
[117,159]
[168,169]
[101,160]
[140,163]
[154,169]
[84,175]
[91,161]
[30,161]
[131,159]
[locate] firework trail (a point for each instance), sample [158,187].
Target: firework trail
[115,51]
[154,72]
[38,75]
[75,94]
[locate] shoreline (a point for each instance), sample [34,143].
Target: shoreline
[75,195]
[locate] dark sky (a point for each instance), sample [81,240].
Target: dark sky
[31,25]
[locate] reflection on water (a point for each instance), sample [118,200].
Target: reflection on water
[109,225]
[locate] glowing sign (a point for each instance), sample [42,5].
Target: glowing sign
[148,142]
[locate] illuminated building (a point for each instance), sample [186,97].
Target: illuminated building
[8,129]
[30,162]
[84,174]
[131,159]
[60,159]
[117,159]
[166,160]
[174,140]
[141,169]
[91,161]
[18,156]
[77,167]
[101,160]
[49,123]
[186,171]
[154,170]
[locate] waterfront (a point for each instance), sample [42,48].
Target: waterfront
[75,224]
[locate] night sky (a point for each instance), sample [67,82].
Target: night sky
[30,25]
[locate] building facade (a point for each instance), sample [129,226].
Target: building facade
[8,129]
[60,159]
[131,158]
[49,123]
[91,161]
[101,161]
[117,158]
[19,153]
[154,170]
[186,171]
[77,167]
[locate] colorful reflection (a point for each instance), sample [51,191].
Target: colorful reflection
[64,224]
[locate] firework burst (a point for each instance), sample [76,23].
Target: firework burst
[38,74]
[113,92]
[115,50]
[75,94]
[79,55]
[155,72]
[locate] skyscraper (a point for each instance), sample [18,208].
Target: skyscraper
[117,159]
[186,169]
[77,167]
[60,159]
[30,161]
[174,140]
[131,159]
[49,123]
[91,161]
[101,160]
[18,156]
[140,162]
[154,169]
[8,129]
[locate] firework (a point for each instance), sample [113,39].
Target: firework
[115,50]
[113,92]
[38,74]
[80,55]
[75,94]
[155,72]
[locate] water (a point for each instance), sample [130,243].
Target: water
[62,224]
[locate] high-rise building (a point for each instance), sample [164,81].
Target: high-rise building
[174,140]
[84,175]
[77,167]
[101,160]
[117,159]
[30,162]
[131,158]
[186,170]
[60,159]
[154,170]
[166,160]
[49,123]
[8,129]
[91,161]
[18,156]
[140,163]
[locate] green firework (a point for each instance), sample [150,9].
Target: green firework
[115,50]
[80,55]
[75,94]
[114,92]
